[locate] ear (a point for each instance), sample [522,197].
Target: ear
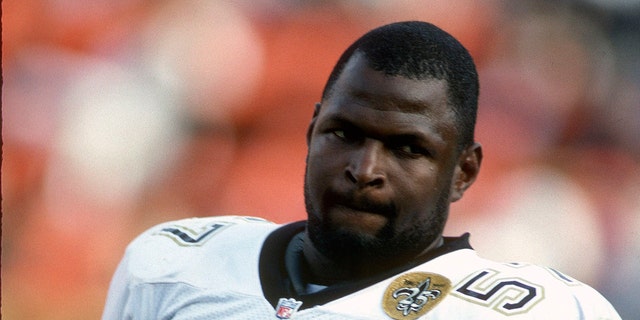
[312,124]
[466,171]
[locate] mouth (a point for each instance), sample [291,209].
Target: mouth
[366,209]
[361,214]
[366,205]
[354,211]
[362,221]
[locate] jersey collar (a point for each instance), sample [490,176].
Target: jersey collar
[281,274]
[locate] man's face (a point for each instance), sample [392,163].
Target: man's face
[382,154]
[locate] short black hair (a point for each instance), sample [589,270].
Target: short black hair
[420,50]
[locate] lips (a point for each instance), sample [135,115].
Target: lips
[362,204]
[360,216]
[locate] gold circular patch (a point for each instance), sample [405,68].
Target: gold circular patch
[413,294]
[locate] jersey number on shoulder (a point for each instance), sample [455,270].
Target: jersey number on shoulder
[505,295]
[185,236]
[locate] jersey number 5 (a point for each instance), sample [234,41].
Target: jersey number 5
[505,295]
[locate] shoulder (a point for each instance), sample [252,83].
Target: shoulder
[197,231]
[528,289]
[170,247]
[482,288]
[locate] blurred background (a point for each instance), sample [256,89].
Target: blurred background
[121,114]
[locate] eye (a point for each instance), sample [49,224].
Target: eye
[346,134]
[407,149]
[411,150]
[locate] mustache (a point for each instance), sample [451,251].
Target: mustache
[358,202]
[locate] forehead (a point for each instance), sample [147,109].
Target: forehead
[376,96]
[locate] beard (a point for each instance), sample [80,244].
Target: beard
[387,247]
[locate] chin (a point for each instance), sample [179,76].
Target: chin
[344,242]
[348,243]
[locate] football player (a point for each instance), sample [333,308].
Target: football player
[390,146]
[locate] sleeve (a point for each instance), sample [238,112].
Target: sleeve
[133,298]
[131,295]
[119,296]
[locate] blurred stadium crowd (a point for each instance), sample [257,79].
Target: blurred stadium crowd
[120,114]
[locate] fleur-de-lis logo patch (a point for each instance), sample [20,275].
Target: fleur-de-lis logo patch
[412,295]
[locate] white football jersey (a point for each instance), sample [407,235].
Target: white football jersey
[233,268]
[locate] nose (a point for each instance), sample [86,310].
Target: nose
[365,167]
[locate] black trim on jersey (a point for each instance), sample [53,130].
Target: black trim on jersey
[276,282]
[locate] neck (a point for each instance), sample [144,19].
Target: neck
[326,271]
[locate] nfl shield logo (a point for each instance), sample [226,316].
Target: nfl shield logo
[287,307]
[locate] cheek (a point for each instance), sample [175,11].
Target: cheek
[322,159]
[419,180]
[315,163]
[320,167]
[417,192]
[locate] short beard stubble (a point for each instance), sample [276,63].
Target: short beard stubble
[386,248]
